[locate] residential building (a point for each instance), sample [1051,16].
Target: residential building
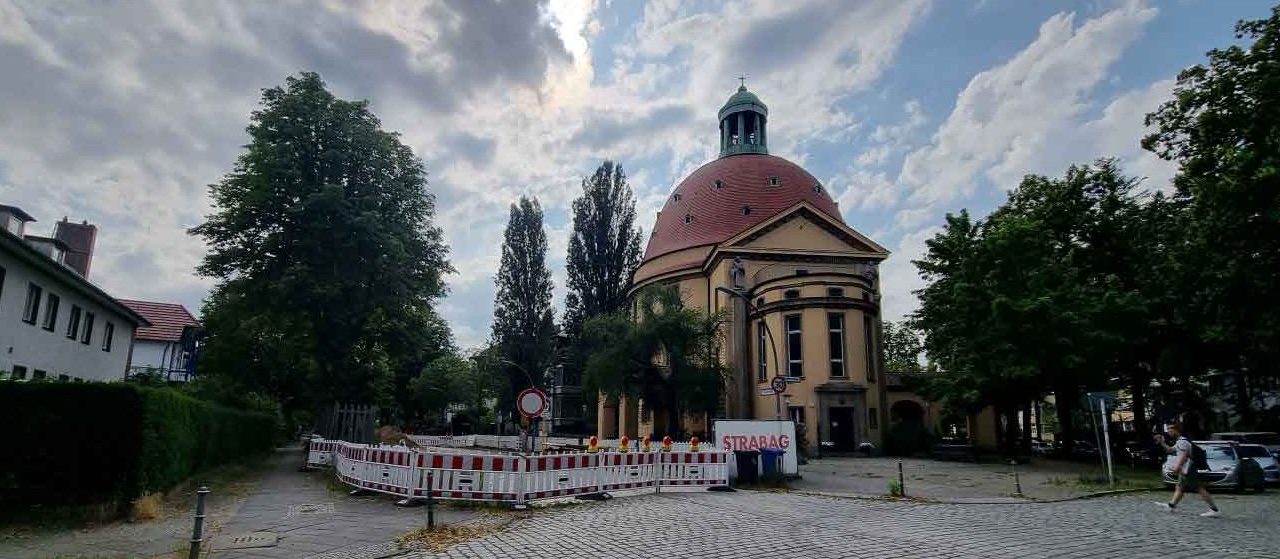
[759,238]
[54,323]
[169,345]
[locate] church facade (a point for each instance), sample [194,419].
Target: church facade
[759,238]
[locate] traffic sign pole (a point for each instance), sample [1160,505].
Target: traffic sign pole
[779,385]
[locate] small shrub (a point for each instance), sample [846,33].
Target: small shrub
[146,507]
[895,488]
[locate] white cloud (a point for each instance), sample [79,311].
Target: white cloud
[899,278]
[1010,117]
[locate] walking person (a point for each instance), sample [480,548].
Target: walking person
[1190,458]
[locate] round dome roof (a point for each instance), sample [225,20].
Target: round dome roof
[730,195]
[743,100]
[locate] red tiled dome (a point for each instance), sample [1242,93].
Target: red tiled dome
[717,214]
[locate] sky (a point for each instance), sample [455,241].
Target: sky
[122,112]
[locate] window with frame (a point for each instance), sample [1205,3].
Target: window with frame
[872,421]
[51,312]
[791,294]
[19,372]
[39,374]
[795,349]
[31,311]
[88,329]
[796,413]
[835,340]
[761,349]
[835,292]
[73,322]
[64,378]
[108,332]
[869,341]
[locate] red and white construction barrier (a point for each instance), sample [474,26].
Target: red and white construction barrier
[415,474]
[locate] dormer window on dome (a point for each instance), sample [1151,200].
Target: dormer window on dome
[742,124]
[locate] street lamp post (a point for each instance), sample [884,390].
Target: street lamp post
[773,344]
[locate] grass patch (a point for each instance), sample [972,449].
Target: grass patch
[441,538]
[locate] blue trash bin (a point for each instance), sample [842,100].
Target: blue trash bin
[771,462]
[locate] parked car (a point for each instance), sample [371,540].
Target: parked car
[1269,439]
[1260,454]
[1143,455]
[1041,448]
[1227,468]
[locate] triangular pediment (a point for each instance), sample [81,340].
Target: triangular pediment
[805,228]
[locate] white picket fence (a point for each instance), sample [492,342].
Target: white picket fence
[515,479]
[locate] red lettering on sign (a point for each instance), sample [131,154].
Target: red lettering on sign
[784,442]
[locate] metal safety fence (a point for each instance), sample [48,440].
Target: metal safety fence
[514,479]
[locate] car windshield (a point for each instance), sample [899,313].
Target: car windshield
[1219,453]
[1252,452]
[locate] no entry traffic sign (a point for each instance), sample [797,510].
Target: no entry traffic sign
[531,402]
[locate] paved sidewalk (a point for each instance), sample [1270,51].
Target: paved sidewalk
[312,516]
[1043,480]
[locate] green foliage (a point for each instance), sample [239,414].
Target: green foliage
[1223,128]
[604,247]
[665,353]
[522,320]
[906,438]
[449,380]
[895,488]
[902,347]
[327,258]
[93,443]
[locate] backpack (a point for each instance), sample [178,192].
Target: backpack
[1199,460]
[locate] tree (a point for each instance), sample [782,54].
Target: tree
[604,247]
[449,380]
[604,250]
[522,319]
[902,347]
[663,352]
[1223,128]
[324,248]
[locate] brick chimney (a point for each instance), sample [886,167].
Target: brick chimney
[79,238]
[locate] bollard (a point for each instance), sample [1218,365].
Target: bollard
[197,531]
[431,502]
[1017,483]
[902,482]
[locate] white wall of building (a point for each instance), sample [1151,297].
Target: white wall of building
[33,347]
[157,355]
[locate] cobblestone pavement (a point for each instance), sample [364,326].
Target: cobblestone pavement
[781,525]
[312,517]
[1043,479]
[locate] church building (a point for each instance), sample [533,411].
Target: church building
[759,238]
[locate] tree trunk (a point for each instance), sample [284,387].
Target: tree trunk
[1138,391]
[1025,447]
[1065,400]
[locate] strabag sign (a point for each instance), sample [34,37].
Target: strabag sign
[734,434]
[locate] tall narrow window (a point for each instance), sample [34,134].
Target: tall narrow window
[835,339]
[88,329]
[871,347]
[73,322]
[51,312]
[32,310]
[797,414]
[2,273]
[108,332]
[795,352]
[872,418]
[761,348]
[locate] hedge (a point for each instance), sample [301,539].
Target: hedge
[79,444]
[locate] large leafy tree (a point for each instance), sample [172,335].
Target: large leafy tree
[1223,128]
[522,316]
[327,259]
[662,352]
[604,247]
[902,347]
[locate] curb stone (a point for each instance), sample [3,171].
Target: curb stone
[976,500]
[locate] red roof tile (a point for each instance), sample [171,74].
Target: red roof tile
[716,214]
[167,320]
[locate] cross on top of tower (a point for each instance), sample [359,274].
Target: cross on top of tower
[742,81]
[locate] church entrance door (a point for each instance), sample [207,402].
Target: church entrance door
[842,432]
